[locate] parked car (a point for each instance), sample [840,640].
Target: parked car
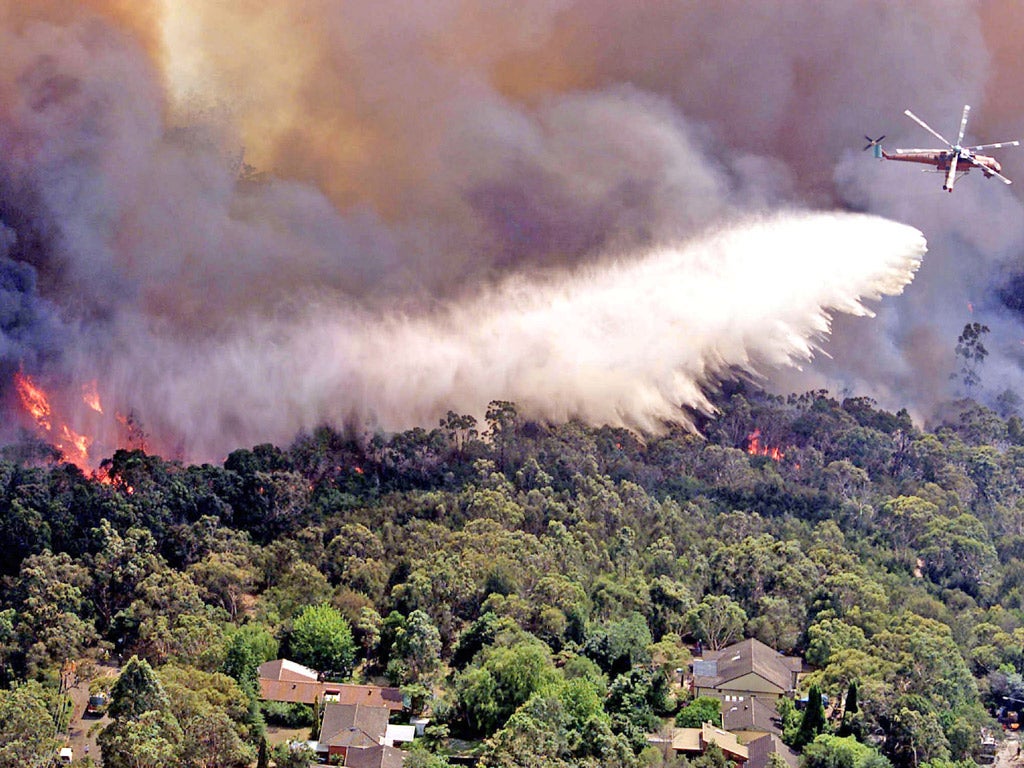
[97,705]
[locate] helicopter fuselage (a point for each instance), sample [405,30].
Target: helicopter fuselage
[941,159]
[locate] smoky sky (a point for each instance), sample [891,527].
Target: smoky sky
[250,217]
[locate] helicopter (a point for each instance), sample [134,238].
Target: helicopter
[955,160]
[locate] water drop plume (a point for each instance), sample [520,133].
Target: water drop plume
[631,340]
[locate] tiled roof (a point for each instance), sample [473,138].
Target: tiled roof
[698,739]
[307,692]
[743,658]
[753,714]
[374,757]
[284,669]
[761,749]
[350,725]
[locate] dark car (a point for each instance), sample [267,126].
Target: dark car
[97,705]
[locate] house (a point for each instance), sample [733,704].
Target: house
[751,718]
[284,680]
[745,670]
[285,670]
[695,741]
[381,756]
[761,750]
[347,727]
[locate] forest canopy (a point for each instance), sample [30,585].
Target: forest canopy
[536,584]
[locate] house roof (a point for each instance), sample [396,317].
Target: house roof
[752,714]
[353,725]
[380,756]
[284,690]
[698,740]
[307,692]
[718,668]
[367,695]
[761,749]
[284,669]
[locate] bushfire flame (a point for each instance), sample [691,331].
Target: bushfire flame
[754,447]
[34,400]
[73,445]
[91,396]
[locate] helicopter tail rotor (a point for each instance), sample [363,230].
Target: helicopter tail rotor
[876,144]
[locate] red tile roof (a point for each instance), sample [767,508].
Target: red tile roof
[309,692]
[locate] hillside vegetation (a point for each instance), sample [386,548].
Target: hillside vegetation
[533,587]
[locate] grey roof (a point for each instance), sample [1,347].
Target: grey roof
[379,756]
[353,725]
[705,668]
[745,657]
[761,749]
[752,714]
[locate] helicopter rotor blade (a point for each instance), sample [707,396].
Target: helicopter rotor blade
[988,171]
[997,145]
[963,125]
[951,176]
[927,127]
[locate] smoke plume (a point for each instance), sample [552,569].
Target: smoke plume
[243,219]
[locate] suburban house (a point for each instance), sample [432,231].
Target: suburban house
[745,670]
[284,680]
[751,718]
[761,750]
[349,730]
[348,727]
[695,741]
[375,757]
[285,670]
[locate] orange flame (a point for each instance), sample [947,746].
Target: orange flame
[754,447]
[73,446]
[91,396]
[33,399]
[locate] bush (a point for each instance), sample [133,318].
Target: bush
[287,714]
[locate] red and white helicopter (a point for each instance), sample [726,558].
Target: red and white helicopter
[955,161]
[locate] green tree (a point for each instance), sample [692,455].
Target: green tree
[503,679]
[813,722]
[211,740]
[27,731]
[703,709]
[617,645]
[717,621]
[841,752]
[51,622]
[152,740]
[263,756]
[137,690]
[119,567]
[144,732]
[322,639]
[418,644]
[850,709]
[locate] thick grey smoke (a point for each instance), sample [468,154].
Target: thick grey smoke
[254,217]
